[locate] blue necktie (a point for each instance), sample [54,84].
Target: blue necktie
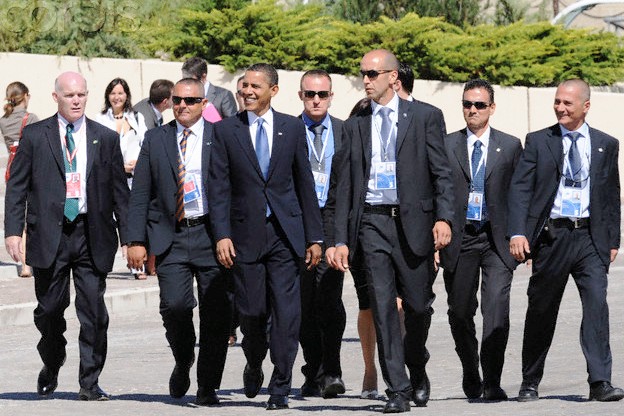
[71,204]
[478,177]
[574,157]
[262,153]
[388,139]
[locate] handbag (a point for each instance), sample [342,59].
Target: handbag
[13,149]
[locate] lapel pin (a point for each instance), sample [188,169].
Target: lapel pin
[95,141]
[600,149]
[279,133]
[498,149]
[404,115]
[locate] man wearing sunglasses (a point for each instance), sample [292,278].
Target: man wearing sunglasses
[323,316]
[483,160]
[394,199]
[169,215]
[265,217]
[564,212]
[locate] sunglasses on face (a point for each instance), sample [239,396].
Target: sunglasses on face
[479,105]
[373,74]
[187,100]
[322,94]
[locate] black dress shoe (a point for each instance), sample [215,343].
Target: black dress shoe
[252,381]
[472,386]
[47,381]
[179,382]
[494,393]
[310,389]
[277,402]
[332,387]
[397,404]
[603,391]
[421,392]
[206,397]
[528,393]
[94,394]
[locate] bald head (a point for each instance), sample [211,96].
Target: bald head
[580,86]
[379,70]
[70,93]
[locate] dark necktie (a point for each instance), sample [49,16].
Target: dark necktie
[387,141]
[71,204]
[160,121]
[574,157]
[181,175]
[318,147]
[478,176]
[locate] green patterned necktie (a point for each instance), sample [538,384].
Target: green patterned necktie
[71,204]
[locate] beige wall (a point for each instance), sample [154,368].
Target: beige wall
[518,109]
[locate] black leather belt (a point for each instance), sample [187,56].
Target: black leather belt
[389,210]
[192,222]
[569,223]
[475,228]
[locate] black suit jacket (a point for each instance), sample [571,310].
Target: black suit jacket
[222,99]
[536,180]
[425,187]
[503,154]
[154,188]
[239,192]
[38,175]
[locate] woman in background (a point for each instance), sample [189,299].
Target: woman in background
[15,118]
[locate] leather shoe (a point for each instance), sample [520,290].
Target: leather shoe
[252,381]
[603,391]
[94,394]
[397,404]
[472,386]
[47,381]
[332,387]
[310,389]
[206,397]
[179,382]
[421,392]
[528,393]
[494,393]
[277,402]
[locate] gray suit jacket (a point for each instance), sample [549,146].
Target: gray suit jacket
[144,107]
[222,99]
[503,154]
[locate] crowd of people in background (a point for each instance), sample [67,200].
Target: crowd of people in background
[265,213]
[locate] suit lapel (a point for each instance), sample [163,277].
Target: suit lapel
[92,144]
[555,145]
[210,94]
[364,125]
[493,155]
[404,119]
[244,140]
[171,146]
[206,142]
[278,141]
[597,154]
[54,140]
[461,153]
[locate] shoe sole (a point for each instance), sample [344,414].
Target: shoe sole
[528,399]
[332,391]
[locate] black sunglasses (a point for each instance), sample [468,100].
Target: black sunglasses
[479,105]
[322,94]
[373,74]
[187,100]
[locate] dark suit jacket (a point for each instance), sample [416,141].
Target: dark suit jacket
[38,175]
[503,154]
[239,192]
[153,198]
[222,99]
[144,107]
[536,180]
[425,187]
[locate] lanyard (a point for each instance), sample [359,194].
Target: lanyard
[384,149]
[319,158]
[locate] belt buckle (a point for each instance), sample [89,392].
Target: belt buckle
[576,223]
[394,212]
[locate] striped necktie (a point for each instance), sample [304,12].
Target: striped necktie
[181,175]
[71,209]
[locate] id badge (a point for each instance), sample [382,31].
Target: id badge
[72,183]
[320,183]
[475,206]
[571,202]
[191,193]
[385,175]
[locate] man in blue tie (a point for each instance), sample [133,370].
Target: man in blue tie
[564,214]
[483,160]
[70,170]
[266,220]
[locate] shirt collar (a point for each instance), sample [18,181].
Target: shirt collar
[484,139]
[197,128]
[309,122]
[77,124]
[158,113]
[267,117]
[584,130]
[393,104]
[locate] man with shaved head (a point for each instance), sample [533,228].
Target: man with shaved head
[394,198]
[564,214]
[70,170]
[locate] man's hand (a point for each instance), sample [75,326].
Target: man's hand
[137,256]
[129,167]
[441,235]
[341,258]
[436,261]
[313,255]
[329,256]
[519,247]
[13,246]
[614,252]
[225,252]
